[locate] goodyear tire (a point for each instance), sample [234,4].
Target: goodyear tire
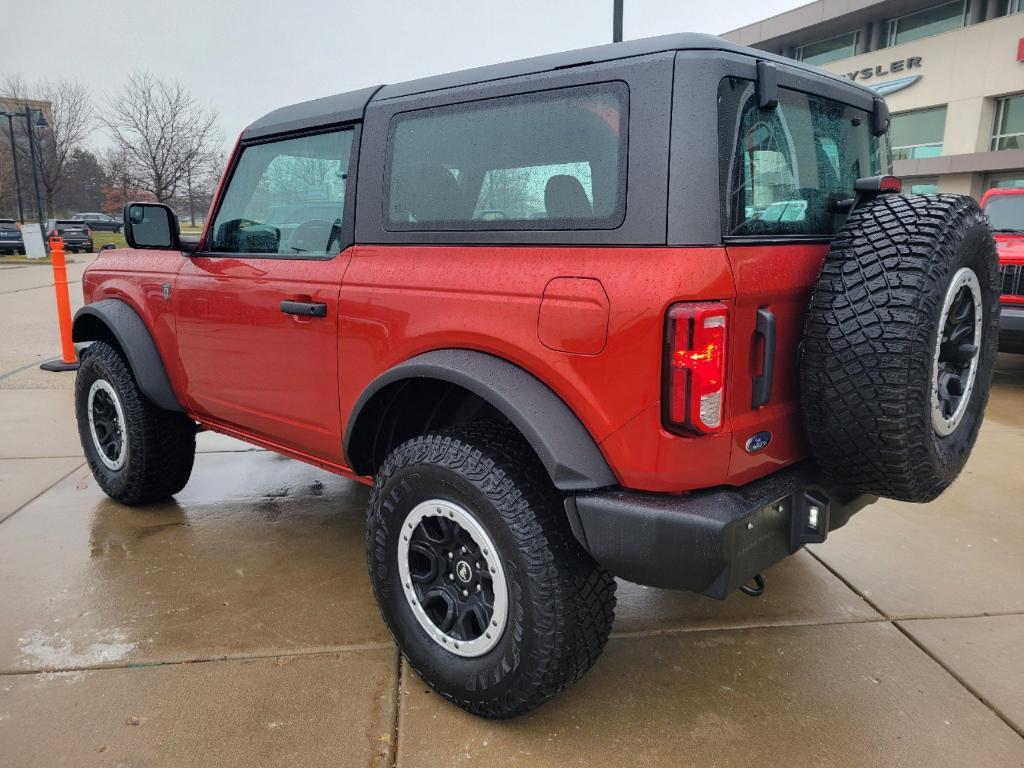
[477,575]
[137,452]
[899,345]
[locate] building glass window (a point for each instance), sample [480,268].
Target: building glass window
[1011,180]
[824,51]
[914,135]
[922,186]
[1008,7]
[1008,131]
[931,21]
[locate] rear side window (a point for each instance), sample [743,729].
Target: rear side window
[286,198]
[551,160]
[785,170]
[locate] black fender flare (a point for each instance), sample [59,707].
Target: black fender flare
[565,447]
[135,340]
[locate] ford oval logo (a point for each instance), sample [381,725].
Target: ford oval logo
[758,442]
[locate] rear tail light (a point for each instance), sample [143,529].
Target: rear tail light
[88,232]
[693,396]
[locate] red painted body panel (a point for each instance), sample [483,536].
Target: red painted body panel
[137,277]
[251,366]
[780,278]
[244,368]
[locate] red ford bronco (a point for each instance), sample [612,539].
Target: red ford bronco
[1005,210]
[650,309]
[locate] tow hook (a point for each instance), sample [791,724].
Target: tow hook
[754,591]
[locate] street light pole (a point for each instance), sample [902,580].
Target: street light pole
[617,21]
[14,159]
[35,174]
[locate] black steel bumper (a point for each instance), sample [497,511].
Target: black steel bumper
[714,540]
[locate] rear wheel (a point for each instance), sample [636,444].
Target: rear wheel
[900,343]
[488,595]
[137,452]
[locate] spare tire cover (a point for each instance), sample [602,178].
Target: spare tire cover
[899,344]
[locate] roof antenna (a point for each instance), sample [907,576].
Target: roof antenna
[617,21]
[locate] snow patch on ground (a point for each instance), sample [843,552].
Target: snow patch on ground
[48,650]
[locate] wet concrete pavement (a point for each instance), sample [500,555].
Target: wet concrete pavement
[235,626]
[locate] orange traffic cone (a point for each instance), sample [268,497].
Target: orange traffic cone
[68,361]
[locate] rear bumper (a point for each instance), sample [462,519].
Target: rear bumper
[714,540]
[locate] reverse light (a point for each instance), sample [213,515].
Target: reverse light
[696,338]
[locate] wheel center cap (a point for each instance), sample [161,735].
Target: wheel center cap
[464,571]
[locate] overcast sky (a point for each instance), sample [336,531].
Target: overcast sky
[247,57]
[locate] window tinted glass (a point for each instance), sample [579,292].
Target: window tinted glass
[833,49]
[286,197]
[784,170]
[1006,212]
[917,134]
[932,21]
[921,186]
[553,160]
[1009,124]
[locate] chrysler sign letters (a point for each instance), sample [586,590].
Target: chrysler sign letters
[896,67]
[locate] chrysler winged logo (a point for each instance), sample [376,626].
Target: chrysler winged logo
[891,86]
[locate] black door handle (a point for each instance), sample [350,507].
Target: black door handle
[304,308]
[765,328]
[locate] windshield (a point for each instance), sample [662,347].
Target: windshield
[1006,213]
[787,171]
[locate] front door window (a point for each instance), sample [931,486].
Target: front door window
[286,198]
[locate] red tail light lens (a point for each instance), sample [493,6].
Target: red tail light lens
[88,232]
[696,338]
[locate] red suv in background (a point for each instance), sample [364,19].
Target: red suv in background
[1005,210]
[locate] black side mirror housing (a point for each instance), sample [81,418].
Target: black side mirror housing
[153,225]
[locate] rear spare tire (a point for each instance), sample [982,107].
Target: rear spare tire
[899,344]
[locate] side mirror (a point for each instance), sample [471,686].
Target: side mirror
[151,225]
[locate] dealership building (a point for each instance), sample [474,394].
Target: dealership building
[951,72]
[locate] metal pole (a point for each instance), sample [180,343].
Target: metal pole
[617,21]
[14,159]
[35,174]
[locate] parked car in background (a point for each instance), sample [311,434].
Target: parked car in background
[1005,210]
[99,222]
[77,235]
[10,237]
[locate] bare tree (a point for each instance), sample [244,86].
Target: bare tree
[70,121]
[120,187]
[163,135]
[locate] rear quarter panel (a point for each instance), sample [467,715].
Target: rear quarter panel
[400,301]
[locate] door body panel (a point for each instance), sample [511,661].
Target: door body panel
[778,278]
[253,367]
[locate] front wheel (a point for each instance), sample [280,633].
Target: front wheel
[137,452]
[478,577]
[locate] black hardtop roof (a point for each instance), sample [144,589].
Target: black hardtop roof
[347,107]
